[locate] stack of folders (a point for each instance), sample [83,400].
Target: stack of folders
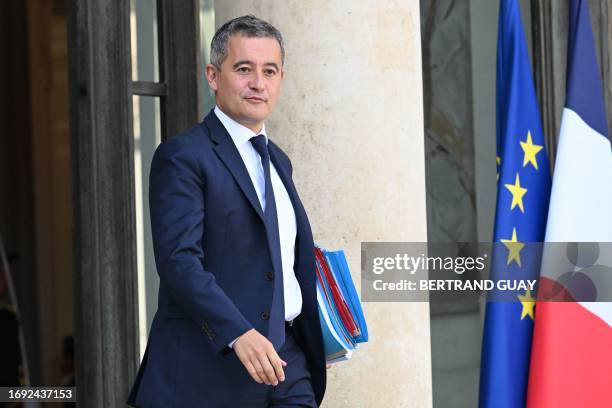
[342,320]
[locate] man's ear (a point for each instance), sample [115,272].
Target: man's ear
[212,76]
[282,73]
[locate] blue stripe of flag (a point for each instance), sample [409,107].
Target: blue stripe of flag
[584,91]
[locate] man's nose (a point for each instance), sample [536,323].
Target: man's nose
[257,81]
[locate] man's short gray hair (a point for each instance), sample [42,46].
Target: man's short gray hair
[247,26]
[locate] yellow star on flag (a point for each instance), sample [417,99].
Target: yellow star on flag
[530,150]
[517,194]
[514,248]
[528,303]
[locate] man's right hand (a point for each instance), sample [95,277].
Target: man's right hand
[259,358]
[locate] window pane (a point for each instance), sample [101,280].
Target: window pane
[448,89]
[147,136]
[207,30]
[143,24]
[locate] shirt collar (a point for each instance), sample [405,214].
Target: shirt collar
[240,134]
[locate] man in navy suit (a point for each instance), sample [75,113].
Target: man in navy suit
[237,323]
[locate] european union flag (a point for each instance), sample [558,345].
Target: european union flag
[522,205]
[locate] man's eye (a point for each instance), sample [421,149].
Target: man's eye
[270,72]
[243,70]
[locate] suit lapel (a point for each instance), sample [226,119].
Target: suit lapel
[229,155]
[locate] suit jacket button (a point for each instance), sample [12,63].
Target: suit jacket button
[269,276]
[265,316]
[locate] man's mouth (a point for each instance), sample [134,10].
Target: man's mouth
[255,99]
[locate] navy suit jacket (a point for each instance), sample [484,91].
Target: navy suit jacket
[216,272]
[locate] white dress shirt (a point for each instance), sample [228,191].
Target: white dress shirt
[284,209]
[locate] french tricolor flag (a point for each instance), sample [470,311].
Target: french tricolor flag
[571,357]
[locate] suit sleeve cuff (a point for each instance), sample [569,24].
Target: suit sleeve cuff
[221,343]
[231,344]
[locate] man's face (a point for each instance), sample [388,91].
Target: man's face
[249,81]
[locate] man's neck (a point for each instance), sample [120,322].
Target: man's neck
[255,128]
[239,133]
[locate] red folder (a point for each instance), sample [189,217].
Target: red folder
[343,310]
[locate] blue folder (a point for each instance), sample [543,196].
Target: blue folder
[339,343]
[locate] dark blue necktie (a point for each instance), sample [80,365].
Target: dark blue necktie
[276,332]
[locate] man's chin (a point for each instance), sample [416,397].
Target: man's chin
[255,117]
[251,121]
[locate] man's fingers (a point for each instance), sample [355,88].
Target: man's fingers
[277,364]
[252,372]
[260,371]
[268,369]
[259,358]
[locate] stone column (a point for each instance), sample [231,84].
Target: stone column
[351,119]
